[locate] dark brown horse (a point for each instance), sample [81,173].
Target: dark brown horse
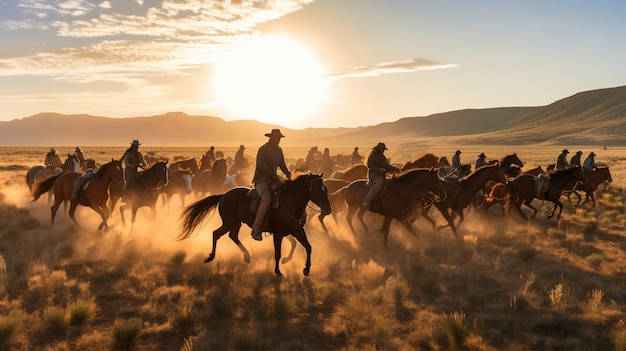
[427,161]
[210,181]
[351,174]
[394,199]
[594,179]
[95,196]
[522,190]
[179,183]
[145,191]
[190,165]
[287,219]
[336,200]
[498,193]
[462,192]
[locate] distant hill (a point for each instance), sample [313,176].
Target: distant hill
[592,117]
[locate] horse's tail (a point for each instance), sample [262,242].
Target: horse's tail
[44,186]
[196,213]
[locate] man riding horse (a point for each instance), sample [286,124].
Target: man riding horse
[52,159]
[378,167]
[132,159]
[269,158]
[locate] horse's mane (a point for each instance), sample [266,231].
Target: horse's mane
[350,170]
[103,170]
[482,169]
[291,183]
[409,176]
[564,172]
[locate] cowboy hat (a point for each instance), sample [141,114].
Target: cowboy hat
[380,146]
[565,151]
[579,152]
[592,154]
[135,142]
[52,150]
[78,148]
[458,152]
[356,147]
[482,154]
[275,133]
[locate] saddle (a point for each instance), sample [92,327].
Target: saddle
[256,199]
[541,186]
[376,206]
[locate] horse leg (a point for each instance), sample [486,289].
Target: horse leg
[449,219]
[360,215]
[293,248]
[385,230]
[407,224]
[321,219]
[217,233]
[103,210]
[302,239]
[518,207]
[349,216]
[234,236]
[53,212]
[133,215]
[278,241]
[591,196]
[122,209]
[73,206]
[527,202]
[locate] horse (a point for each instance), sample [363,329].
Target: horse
[351,174]
[145,191]
[287,219]
[335,199]
[37,173]
[427,161]
[185,165]
[462,192]
[594,179]
[212,180]
[179,183]
[522,190]
[95,196]
[443,164]
[393,198]
[205,163]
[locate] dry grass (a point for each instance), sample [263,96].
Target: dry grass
[512,285]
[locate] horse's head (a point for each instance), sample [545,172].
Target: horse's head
[319,194]
[159,172]
[71,163]
[434,185]
[443,162]
[512,159]
[606,174]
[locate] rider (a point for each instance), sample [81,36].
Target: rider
[456,159]
[378,166]
[356,158]
[52,159]
[590,162]
[80,157]
[480,161]
[575,160]
[561,161]
[132,160]
[210,155]
[266,181]
[240,161]
[80,181]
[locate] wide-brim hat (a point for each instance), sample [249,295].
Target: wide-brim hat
[135,142]
[356,147]
[52,150]
[77,148]
[579,152]
[275,133]
[592,154]
[565,151]
[458,152]
[482,154]
[381,146]
[241,147]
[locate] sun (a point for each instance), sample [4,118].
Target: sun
[270,78]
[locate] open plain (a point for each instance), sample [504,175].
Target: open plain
[509,285]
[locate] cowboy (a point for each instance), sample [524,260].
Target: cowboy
[561,161]
[240,161]
[590,163]
[356,158]
[133,159]
[378,166]
[456,159]
[269,158]
[480,161]
[52,159]
[575,160]
[210,155]
[80,157]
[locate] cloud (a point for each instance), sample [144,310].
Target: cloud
[409,65]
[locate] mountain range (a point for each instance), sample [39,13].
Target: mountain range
[596,117]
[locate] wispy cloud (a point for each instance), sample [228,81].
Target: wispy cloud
[409,65]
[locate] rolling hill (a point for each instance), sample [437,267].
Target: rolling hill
[591,117]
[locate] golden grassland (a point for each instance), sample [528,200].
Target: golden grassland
[511,285]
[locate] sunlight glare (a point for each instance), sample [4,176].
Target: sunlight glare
[272,79]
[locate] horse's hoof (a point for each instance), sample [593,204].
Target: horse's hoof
[209,259]
[278,274]
[285,260]
[246,258]
[305,272]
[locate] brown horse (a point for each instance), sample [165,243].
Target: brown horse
[288,219]
[351,174]
[145,191]
[336,200]
[95,196]
[395,198]
[498,193]
[426,161]
[210,181]
[521,190]
[462,192]
[594,179]
[185,165]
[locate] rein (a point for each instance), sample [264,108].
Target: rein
[302,219]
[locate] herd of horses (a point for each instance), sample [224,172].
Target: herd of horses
[424,183]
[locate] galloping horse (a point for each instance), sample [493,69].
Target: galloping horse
[394,199]
[185,165]
[498,194]
[336,200]
[179,182]
[95,196]
[426,161]
[462,192]
[205,163]
[37,173]
[594,179]
[145,191]
[522,190]
[288,219]
[351,174]
[212,180]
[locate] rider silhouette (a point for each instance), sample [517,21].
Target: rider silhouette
[378,166]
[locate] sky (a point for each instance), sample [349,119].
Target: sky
[303,63]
